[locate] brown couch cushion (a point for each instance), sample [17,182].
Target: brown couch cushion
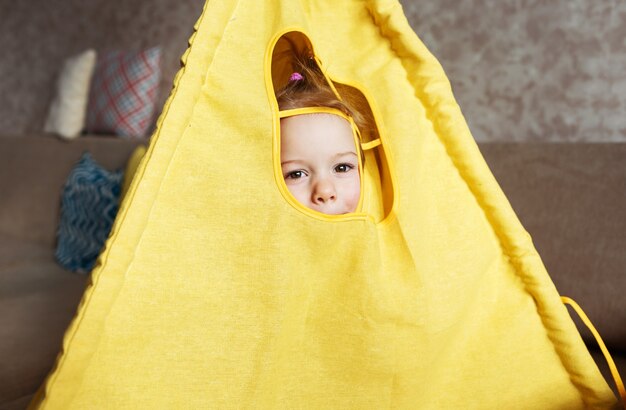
[32,172]
[570,198]
[37,302]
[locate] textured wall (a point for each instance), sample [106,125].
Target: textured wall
[520,69]
[37,35]
[531,69]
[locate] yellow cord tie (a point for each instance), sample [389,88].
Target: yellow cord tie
[605,351]
[369,145]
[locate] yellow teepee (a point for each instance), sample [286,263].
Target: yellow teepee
[217,290]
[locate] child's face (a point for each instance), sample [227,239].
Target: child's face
[320,163]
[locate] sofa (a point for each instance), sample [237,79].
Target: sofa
[569,197]
[37,296]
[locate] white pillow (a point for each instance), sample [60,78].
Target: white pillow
[67,111]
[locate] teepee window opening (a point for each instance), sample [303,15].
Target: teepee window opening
[326,133]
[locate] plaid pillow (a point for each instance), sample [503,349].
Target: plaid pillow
[123,93]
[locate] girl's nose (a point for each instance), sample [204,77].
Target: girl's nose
[324,192]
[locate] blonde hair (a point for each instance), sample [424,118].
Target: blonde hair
[313,90]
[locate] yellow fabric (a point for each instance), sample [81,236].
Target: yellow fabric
[131,168]
[215,290]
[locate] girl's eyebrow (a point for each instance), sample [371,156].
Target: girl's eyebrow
[291,160]
[341,154]
[338,155]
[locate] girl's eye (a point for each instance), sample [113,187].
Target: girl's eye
[295,174]
[343,167]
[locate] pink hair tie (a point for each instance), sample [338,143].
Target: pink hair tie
[296,76]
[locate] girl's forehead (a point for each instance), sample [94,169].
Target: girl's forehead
[323,131]
[319,127]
